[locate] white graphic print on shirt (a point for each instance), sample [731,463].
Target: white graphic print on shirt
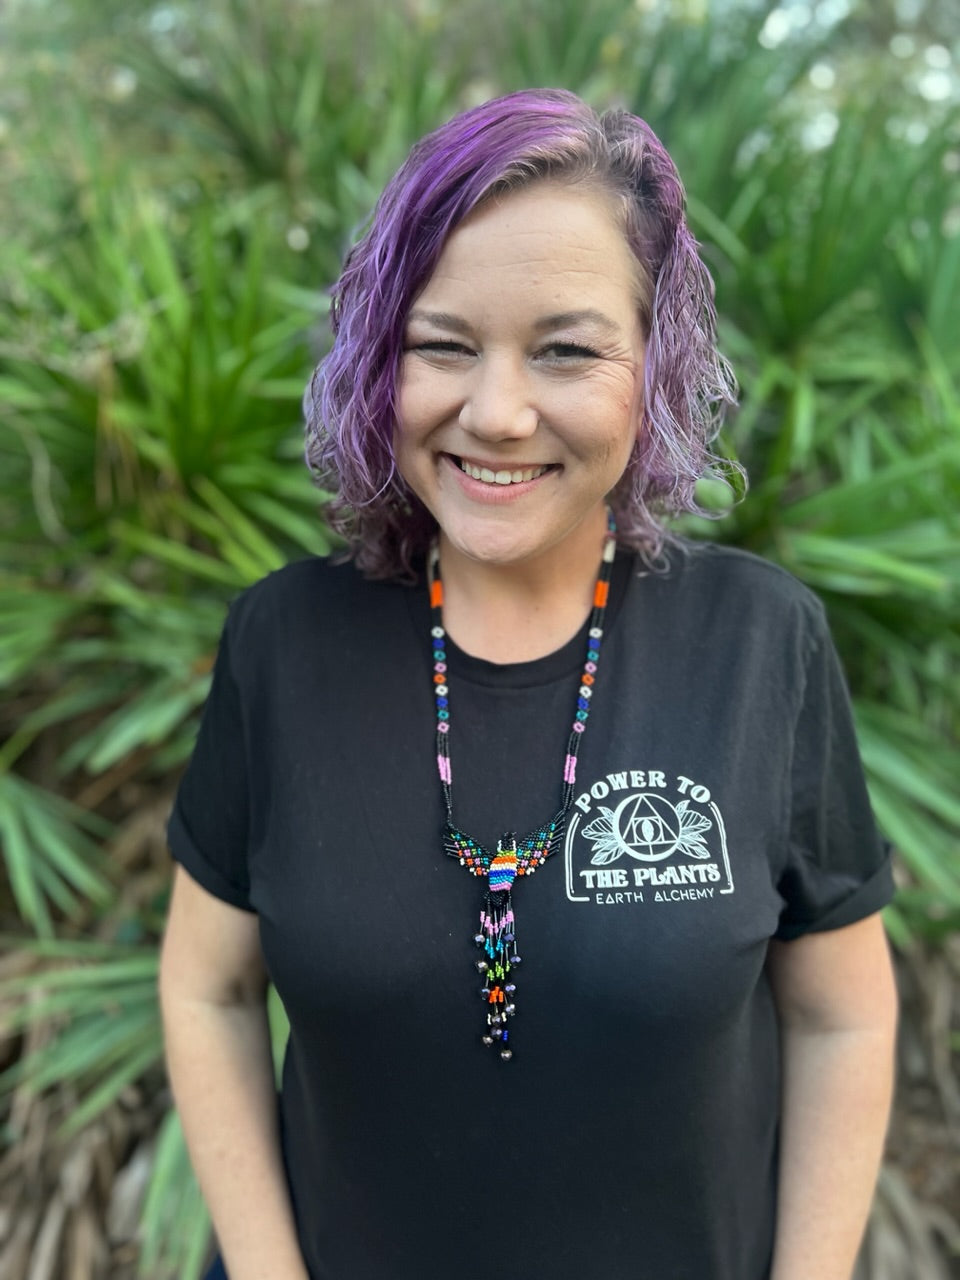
[667,834]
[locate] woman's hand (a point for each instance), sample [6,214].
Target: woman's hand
[837,1004]
[212,993]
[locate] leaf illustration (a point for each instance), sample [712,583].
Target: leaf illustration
[694,847]
[604,855]
[691,822]
[693,825]
[607,845]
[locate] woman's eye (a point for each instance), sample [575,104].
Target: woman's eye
[570,351]
[439,346]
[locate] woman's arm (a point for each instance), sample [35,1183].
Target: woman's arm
[837,1005]
[212,994]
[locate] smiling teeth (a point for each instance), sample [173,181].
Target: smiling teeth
[501,477]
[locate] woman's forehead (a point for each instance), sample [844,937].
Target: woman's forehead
[559,246]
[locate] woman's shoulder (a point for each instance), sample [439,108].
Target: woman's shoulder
[317,588]
[734,566]
[724,581]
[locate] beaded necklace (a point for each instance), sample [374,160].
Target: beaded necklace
[497,934]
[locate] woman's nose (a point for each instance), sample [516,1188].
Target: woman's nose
[498,404]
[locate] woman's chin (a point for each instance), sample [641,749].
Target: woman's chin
[505,543]
[495,551]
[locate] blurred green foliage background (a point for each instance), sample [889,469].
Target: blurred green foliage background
[178,184]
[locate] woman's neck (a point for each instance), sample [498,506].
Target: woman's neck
[517,613]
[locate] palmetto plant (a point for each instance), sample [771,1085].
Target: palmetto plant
[164,454]
[152,380]
[165,257]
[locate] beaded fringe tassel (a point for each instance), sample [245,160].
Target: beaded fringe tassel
[496,937]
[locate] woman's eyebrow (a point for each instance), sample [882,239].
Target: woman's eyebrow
[567,319]
[559,320]
[440,320]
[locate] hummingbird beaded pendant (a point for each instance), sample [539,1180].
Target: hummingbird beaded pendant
[497,938]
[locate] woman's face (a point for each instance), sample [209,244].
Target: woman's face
[521,380]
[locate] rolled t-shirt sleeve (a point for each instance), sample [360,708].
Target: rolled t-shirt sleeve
[208,827]
[838,869]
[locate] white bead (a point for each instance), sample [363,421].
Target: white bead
[596,632]
[440,690]
[437,632]
[586,691]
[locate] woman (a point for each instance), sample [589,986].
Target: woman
[686,1072]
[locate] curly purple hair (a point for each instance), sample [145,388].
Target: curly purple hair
[501,146]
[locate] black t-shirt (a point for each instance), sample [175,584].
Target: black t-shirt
[720,803]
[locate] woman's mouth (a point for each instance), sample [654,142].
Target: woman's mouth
[502,475]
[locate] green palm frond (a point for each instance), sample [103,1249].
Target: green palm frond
[102,1000]
[175,1222]
[51,861]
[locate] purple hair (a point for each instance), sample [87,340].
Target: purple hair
[495,148]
